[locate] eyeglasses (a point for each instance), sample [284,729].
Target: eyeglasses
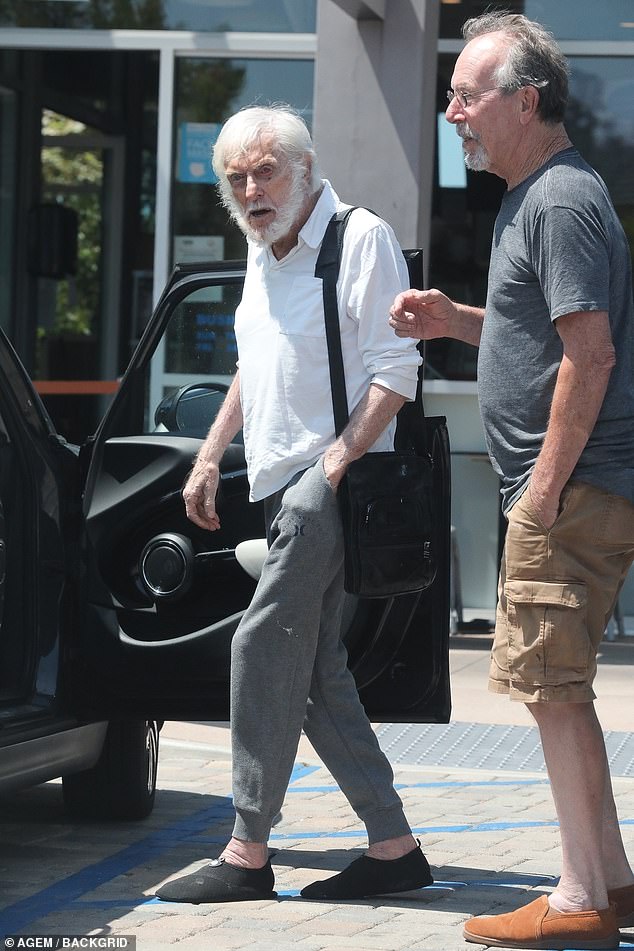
[466,98]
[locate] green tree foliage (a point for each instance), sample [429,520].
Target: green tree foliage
[126,14]
[73,177]
[207,89]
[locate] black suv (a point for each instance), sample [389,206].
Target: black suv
[116,612]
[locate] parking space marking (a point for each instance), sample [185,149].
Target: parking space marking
[434,785]
[439,885]
[54,898]
[422,830]
[301,770]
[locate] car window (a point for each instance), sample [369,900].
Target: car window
[198,347]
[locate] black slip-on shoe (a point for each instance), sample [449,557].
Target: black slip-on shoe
[366,877]
[220,881]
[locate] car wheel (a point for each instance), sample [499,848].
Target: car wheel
[122,783]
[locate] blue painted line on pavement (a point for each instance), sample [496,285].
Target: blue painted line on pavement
[441,886]
[422,830]
[21,914]
[434,785]
[301,770]
[518,881]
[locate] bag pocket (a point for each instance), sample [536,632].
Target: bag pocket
[388,525]
[548,642]
[393,519]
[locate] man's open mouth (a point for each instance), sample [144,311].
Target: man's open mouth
[259,212]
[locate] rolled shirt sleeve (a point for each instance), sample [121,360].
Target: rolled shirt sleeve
[373,272]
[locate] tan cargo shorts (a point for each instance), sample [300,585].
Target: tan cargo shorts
[556,594]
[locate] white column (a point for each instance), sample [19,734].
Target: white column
[375,104]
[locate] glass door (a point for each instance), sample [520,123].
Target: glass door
[76,230]
[89,213]
[206,92]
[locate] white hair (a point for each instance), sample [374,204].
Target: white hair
[248,125]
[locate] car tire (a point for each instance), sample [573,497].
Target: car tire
[122,783]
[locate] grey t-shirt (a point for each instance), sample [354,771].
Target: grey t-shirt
[558,248]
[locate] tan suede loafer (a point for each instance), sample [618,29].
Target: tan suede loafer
[623,898]
[537,926]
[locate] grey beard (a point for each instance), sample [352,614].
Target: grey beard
[477,161]
[285,218]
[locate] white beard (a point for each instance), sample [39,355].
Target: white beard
[285,216]
[477,160]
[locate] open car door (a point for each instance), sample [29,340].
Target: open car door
[162,598]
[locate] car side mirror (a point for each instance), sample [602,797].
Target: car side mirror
[190,410]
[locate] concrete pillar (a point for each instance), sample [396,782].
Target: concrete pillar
[375,94]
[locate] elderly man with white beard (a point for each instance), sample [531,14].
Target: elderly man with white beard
[288,662]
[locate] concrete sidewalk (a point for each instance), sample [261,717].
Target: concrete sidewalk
[489,833]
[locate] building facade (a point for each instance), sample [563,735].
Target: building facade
[108,109]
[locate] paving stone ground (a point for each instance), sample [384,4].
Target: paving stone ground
[489,834]
[491,838]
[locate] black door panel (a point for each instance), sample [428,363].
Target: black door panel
[137,495]
[181,678]
[404,674]
[134,647]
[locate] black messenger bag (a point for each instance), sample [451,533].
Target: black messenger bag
[385,497]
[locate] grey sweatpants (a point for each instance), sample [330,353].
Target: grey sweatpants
[289,670]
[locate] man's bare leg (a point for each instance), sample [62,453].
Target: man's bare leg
[593,857]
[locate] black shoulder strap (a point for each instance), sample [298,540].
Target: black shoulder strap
[411,428]
[327,268]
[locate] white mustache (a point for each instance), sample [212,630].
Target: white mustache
[257,206]
[465,132]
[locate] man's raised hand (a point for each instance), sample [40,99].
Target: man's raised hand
[423,315]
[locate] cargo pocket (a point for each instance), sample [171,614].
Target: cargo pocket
[548,642]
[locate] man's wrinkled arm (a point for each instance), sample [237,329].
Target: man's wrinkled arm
[580,389]
[201,487]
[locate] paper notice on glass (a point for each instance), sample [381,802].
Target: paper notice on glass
[192,248]
[197,248]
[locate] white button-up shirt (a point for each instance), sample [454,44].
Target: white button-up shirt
[283,358]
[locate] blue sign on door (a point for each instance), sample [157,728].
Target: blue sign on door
[196,140]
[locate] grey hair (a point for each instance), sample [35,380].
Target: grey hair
[534,59]
[247,126]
